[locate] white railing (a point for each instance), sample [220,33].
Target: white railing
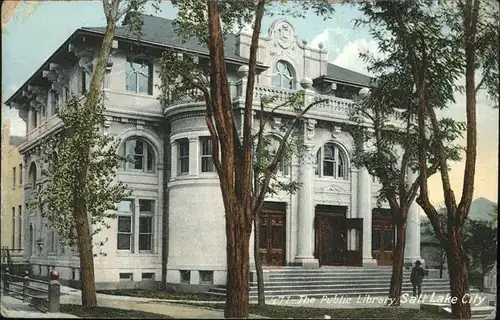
[332,105]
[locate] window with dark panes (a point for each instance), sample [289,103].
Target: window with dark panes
[183,158]
[331,162]
[125,225]
[139,76]
[146,213]
[141,153]
[14,176]
[207,164]
[20,174]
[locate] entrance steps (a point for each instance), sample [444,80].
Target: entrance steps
[294,282]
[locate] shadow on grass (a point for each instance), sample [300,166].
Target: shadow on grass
[283,312]
[164,295]
[109,313]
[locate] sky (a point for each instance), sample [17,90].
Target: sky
[38,28]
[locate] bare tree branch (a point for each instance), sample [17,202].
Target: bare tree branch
[257,203]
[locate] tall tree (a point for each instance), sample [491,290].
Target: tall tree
[474,36]
[232,156]
[399,40]
[384,135]
[82,189]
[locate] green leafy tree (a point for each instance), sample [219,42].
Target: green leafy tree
[440,41]
[208,22]
[81,191]
[473,40]
[385,131]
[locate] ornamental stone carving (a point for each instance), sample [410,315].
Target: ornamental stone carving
[85,54]
[309,157]
[310,125]
[284,35]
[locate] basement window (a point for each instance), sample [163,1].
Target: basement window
[185,276]
[126,277]
[148,276]
[206,277]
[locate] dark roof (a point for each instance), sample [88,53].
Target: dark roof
[160,31]
[348,76]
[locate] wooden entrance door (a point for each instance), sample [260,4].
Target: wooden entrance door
[383,241]
[272,236]
[331,235]
[355,247]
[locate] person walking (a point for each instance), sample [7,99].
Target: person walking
[416,278]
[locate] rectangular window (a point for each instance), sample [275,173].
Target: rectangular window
[21,174]
[148,276]
[125,225]
[14,177]
[55,102]
[13,227]
[65,95]
[146,213]
[183,156]
[139,76]
[19,226]
[83,82]
[206,277]
[127,276]
[207,164]
[35,119]
[185,276]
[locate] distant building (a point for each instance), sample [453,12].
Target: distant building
[173,223]
[12,189]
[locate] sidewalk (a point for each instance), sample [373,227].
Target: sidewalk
[15,308]
[170,308]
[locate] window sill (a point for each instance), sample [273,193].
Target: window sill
[134,254]
[135,172]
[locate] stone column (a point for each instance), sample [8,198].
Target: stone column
[306,212]
[412,246]
[365,212]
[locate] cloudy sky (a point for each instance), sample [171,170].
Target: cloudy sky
[38,28]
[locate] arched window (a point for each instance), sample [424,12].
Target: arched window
[331,162]
[142,154]
[32,175]
[283,75]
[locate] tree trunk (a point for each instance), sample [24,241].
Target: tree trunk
[87,278]
[258,262]
[397,264]
[459,277]
[238,243]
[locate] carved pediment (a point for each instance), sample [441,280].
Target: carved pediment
[334,188]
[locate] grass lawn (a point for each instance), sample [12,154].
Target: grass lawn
[109,313]
[159,294]
[283,312]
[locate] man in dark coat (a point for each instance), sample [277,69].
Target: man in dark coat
[417,276]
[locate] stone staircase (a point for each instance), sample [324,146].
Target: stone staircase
[293,282]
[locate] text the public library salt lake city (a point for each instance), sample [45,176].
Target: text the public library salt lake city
[473,298]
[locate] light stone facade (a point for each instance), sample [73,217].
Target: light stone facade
[187,230]
[12,190]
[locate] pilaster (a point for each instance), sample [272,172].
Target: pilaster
[365,212]
[306,212]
